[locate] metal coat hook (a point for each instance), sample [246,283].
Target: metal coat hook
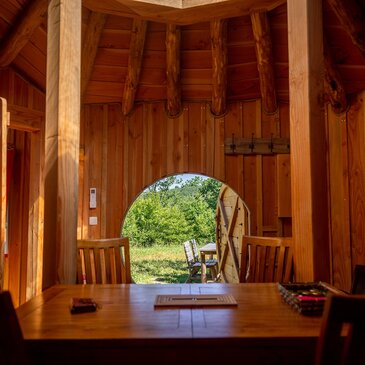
[233,145]
[271,144]
[251,146]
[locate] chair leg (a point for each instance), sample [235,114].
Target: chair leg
[213,272]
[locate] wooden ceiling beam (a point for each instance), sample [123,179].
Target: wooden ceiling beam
[139,28]
[264,54]
[22,31]
[173,38]
[180,12]
[334,90]
[352,18]
[218,31]
[94,29]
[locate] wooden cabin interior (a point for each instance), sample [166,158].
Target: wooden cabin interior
[266,96]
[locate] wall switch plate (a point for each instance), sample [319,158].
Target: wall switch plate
[93,221]
[92,198]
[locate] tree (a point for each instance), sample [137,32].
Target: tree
[171,212]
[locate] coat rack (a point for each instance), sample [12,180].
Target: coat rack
[256,146]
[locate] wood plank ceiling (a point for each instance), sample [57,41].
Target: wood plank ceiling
[135,51]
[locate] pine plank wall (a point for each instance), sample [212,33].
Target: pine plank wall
[121,156]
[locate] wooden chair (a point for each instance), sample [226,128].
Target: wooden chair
[358,282]
[266,259]
[103,261]
[342,336]
[195,249]
[12,347]
[194,266]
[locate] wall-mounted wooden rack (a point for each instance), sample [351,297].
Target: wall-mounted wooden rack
[256,146]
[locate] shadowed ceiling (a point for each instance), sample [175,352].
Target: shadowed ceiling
[179,37]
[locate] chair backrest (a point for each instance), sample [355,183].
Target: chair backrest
[358,282]
[188,253]
[103,261]
[342,336]
[12,348]
[195,249]
[266,259]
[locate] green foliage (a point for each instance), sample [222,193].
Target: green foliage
[149,223]
[171,212]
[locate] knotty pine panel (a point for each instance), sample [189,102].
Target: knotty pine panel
[234,163]
[339,198]
[356,136]
[116,184]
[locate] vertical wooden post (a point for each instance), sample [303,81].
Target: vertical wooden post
[308,141]
[62,139]
[3,154]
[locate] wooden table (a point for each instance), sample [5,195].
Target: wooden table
[261,329]
[208,249]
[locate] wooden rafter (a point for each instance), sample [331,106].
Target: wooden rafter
[352,18]
[263,43]
[134,64]
[218,30]
[90,43]
[333,86]
[19,35]
[173,37]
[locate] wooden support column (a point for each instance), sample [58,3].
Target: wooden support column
[308,141]
[261,32]
[218,31]
[134,64]
[173,37]
[62,139]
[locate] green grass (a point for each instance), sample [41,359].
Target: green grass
[158,264]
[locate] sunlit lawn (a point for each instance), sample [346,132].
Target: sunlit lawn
[158,264]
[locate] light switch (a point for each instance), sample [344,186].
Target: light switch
[92,198]
[93,221]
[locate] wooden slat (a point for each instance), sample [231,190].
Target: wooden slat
[356,160]
[134,64]
[266,259]
[28,21]
[94,29]
[283,187]
[338,155]
[62,141]
[218,30]
[263,43]
[107,261]
[308,141]
[3,155]
[173,39]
